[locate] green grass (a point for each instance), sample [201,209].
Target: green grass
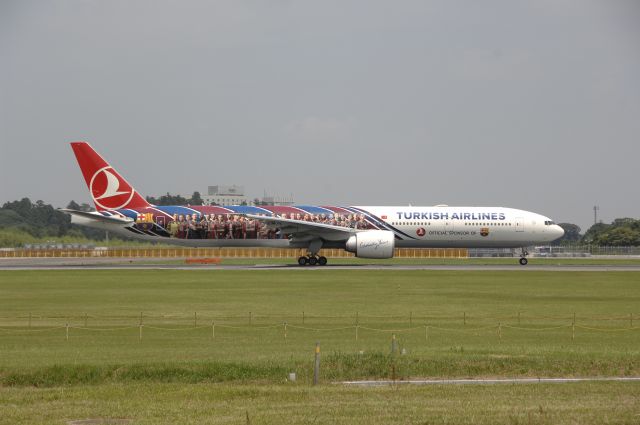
[152,404]
[518,323]
[462,309]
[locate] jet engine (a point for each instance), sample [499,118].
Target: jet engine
[372,244]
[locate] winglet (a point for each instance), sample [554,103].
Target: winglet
[108,189]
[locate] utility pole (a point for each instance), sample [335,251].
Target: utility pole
[595,214]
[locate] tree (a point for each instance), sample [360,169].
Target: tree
[38,219]
[22,207]
[195,199]
[593,231]
[167,199]
[73,205]
[621,232]
[571,233]
[618,236]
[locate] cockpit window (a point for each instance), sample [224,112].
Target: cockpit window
[549,223]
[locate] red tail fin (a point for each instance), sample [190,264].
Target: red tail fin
[107,187]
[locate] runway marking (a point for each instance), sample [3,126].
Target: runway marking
[492,381]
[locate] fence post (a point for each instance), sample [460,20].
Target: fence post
[67,328]
[573,331]
[249,318]
[426,333]
[316,365]
[411,318]
[394,344]
[85,319]
[500,331]
[140,333]
[213,330]
[357,326]
[285,330]
[303,317]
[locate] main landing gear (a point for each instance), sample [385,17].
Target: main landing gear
[523,257]
[312,260]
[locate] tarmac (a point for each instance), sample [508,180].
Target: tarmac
[144,264]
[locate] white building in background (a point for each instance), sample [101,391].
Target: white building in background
[234,195]
[282,201]
[225,195]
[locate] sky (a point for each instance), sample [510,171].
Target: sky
[525,104]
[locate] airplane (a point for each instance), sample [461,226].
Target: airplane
[367,231]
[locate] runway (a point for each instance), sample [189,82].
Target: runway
[147,264]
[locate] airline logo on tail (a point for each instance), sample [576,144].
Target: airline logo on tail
[109,190]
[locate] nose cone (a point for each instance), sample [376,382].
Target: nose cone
[558,232]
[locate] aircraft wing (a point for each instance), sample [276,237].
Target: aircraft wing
[302,229]
[98,217]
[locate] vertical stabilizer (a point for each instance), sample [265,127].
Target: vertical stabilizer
[108,189]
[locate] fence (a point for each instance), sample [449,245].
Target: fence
[354,324]
[217,252]
[573,250]
[601,250]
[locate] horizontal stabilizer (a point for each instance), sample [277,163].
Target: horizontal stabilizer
[98,217]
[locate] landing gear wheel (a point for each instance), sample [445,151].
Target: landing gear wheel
[303,261]
[523,261]
[322,261]
[313,260]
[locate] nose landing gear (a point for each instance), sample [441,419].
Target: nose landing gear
[523,257]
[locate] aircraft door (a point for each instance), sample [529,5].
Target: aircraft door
[160,220]
[519,224]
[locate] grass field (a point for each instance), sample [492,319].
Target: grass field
[449,323]
[191,404]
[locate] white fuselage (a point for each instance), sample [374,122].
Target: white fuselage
[468,227]
[416,227]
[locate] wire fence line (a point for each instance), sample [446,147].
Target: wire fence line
[302,316]
[355,323]
[382,325]
[427,331]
